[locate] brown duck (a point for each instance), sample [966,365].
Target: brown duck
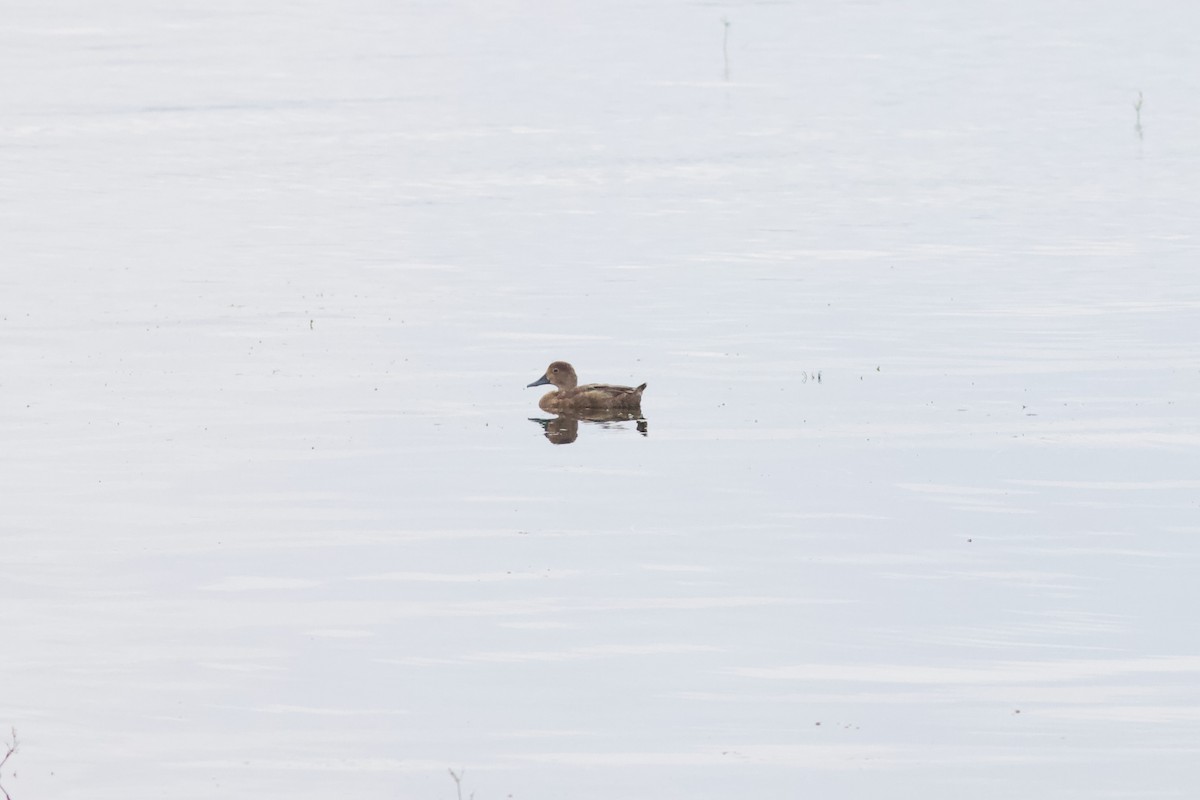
[569,396]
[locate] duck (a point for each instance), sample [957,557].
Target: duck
[570,396]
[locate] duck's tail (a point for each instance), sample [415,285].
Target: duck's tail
[640,389]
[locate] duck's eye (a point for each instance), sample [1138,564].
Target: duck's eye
[555,369]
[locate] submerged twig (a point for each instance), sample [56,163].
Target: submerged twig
[11,748]
[1137,109]
[725,46]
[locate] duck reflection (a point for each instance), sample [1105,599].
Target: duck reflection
[564,428]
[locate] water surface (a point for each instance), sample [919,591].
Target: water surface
[914,293]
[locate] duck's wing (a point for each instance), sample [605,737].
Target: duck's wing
[610,389]
[604,395]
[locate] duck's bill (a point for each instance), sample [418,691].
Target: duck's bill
[542,381]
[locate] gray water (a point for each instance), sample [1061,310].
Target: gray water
[914,290]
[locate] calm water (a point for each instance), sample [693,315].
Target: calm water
[915,292]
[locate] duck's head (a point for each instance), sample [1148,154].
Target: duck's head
[560,374]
